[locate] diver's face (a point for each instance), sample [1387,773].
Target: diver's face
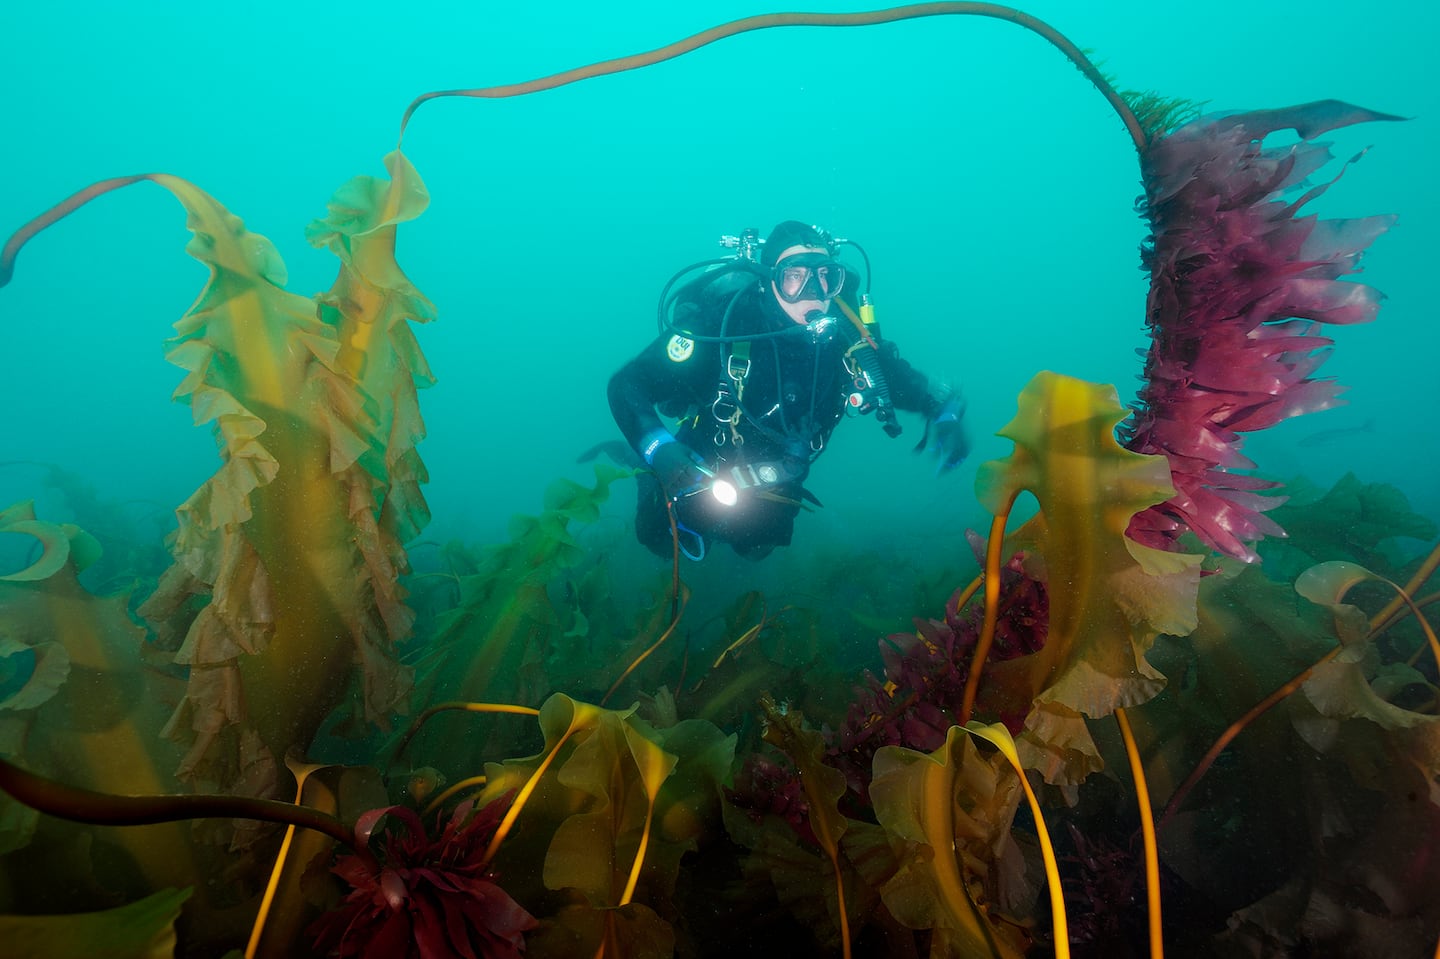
[800,309]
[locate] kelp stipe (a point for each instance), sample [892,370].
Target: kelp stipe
[1107,598]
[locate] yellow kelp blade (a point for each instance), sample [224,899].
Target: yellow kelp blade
[1109,597]
[951,808]
[291,540]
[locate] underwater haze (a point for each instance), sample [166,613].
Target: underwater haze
[540,739]
[992,187]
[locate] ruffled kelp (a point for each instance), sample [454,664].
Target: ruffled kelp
[1290,737]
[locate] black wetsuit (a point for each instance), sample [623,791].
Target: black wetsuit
[792,397]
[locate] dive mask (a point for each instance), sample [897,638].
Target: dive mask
[807,276]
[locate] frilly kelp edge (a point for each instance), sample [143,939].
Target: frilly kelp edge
[1277,698]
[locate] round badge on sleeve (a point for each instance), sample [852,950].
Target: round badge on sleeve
[679,349]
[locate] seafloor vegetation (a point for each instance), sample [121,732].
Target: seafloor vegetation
[1139,721]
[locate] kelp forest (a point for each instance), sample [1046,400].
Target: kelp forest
[1171,711]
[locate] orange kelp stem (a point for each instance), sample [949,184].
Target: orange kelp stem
[993,548]
[675,621]
[860,19]
[423,718]
[1147,832]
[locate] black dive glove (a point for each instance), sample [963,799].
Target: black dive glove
[677,467]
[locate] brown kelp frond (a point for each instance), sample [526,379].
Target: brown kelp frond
[295,540]
[767,21]
[339,791]
[1109,596]
[438,708]
[998,736]
[823,787]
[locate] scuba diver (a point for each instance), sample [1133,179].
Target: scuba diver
[759,357]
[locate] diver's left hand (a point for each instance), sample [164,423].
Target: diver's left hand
[946,433]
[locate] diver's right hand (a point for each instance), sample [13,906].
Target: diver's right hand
[677,467]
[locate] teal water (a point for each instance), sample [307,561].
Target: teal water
[992,186]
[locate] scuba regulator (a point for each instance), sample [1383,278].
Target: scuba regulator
[870,392]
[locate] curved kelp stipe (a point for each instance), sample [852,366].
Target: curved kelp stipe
[1217,225]
[296,541]
[1139,134]
[85,805]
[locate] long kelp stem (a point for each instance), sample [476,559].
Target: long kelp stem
[993,549]
[1147,832]
[764,22]
[58,212]
[83,805]
[1412,586]
[674,621]
[504,708]
[459,787]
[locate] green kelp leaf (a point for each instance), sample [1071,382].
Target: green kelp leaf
[1351,520]
[1339,689]
[1326,585]
[30,675]
[17,512]
[17,824]
[365,204]
[140,930]
[593,788]
[632,931]
[1109,596]
[505,641]
[585,743]
[584,855]
[689,800]
[952,811]
[624,769]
